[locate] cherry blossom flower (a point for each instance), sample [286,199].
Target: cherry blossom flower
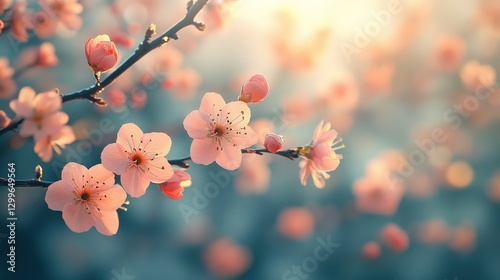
[7,84]
[296,222]
[226,259]
[87,198]
[139,158]
[342,93]
[371,250]
[254,175]
[174,186]
[219,131]
[4,4]
[254,90]
[101,53]
[44,143]
[46,56]
[66,11]
[41,112]
[395,237]
[4,119]
[475,75]
[319,156]
[19,22]
[273,142]
[449,52]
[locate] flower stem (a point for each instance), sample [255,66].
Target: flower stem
[144,48]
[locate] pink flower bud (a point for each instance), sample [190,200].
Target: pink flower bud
[101,53]
[273,142]
[174,186]
[254,90]
[46,56]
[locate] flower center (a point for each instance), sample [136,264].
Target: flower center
[219,130]
[85,196]
[38,118]
[137,159]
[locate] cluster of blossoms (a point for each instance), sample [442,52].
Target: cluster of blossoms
[220,132]
[44,22]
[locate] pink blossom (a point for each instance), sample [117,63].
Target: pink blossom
[450,50]
[475,75]
[4,4]
[138,98]
[254,175]
[371,250]
[343,92]
[182,83]
[226,259]
[139,158]
[45,24]
[19,22]
[5,70]
[463,238]
[319,156]
[7,88]
[44,143]
[87,198]
[116,97]
[2,25]
[174,186]
[395,237]
[262,127]
[296,222]
[219,131]
[46,56]
[121,38]
[41,112]
[377,196]
[101,53]
[66,11]
[4,119]
[273,142]
[254,90]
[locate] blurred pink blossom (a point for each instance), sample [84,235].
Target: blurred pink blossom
[87,198]
[395,237]
[19,22]
[226,259]
[139,158]
[182,83]
[296,222]
[371,250]
[4,119]
[254,175]
[476,76]
[46,56]
[449,51]
[4,4]
[45,143]
[41,112]
[219,131]
[66,11]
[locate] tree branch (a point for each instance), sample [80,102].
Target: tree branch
[144,48]
[182,162]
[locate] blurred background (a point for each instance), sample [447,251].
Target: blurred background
[409,85]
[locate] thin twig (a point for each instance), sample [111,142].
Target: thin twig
[144,48]
[182,162]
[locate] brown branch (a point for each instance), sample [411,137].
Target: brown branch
[144,48]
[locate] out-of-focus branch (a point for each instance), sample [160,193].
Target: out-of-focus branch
[144,48]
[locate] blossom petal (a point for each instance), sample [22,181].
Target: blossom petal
[135,182]
[22,106]
[58,196]
[159,170]
[107,222]
[73,176]
[114,158]
[76,218]
[129,136]
[43,148]
[115,197]
[156,142]
[47,102]
[211,103]
[98,174]
[196,125]
[304,172]
[245,139]
[229,157]
[204,151]
[53,122]
[28,128]
[239,112]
